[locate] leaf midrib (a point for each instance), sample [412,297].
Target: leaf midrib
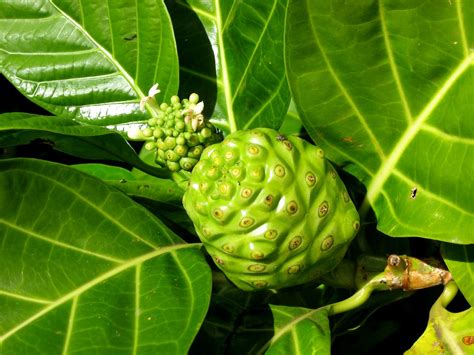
[131,81]
[381,176]
[105,276]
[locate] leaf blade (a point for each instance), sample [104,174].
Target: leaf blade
[78,294]
[79,59]
[387,102]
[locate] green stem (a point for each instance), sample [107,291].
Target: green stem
[358,298]
[449,292]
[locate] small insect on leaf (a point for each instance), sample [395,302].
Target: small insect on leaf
[413,192]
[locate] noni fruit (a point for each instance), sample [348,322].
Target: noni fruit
[179,133]
[270,210]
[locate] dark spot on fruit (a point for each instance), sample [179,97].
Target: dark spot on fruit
[310,179]
[287,144]
[203,186]
[256,268]
[280,138]
[295,242]
[270,234]
[229,155]
[279,170]
[206,231]
[333,173]
[327,243]
[218,213]
[394,260]
[246,222]
[323,209]
[228,248]
[224,188]
[246,192]
[292,207]
[346,197]
[356,225]
[259,284]
[268,200]
[320,153]
[219,260]
[256,254]
[253,150]
[294,269]
[236,172]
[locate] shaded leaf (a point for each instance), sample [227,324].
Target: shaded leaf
[299,331]
[92,60]
[85,269]
[247,38]
[460,262]
[68,136]
[384,87]
[446,333]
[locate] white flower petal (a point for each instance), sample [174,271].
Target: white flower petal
[199,107]
[154,90]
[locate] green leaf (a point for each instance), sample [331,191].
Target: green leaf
[385,86]
[85,269]
[65,135]
[446,333]
[299,331]
[460,262]
[149,187]
[247,38]
[91,60]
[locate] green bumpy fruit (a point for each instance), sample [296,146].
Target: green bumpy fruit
[270,210]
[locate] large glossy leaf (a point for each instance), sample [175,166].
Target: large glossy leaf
[385,86]
[247,39]
[446,332]
[83,269]
[65,135]
[88,59]
[460,262]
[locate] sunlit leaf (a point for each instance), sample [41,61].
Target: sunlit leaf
[446,332]
[85,269]
[91,59]
[247,39]
[385,87]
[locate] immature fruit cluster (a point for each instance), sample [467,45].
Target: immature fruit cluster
[179,133]
[271,210]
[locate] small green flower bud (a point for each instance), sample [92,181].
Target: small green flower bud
[195,152]
[206,132]
[177,106]
[174,99]
[164,106]
[158,133]
[172,156]
[179,126]
[170,142]
[187,163]
[194,98]
[150,145]
[193,140]
[160,122]
[173,166]
[180,139]
[181,150]
[147,132]
[152,122]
